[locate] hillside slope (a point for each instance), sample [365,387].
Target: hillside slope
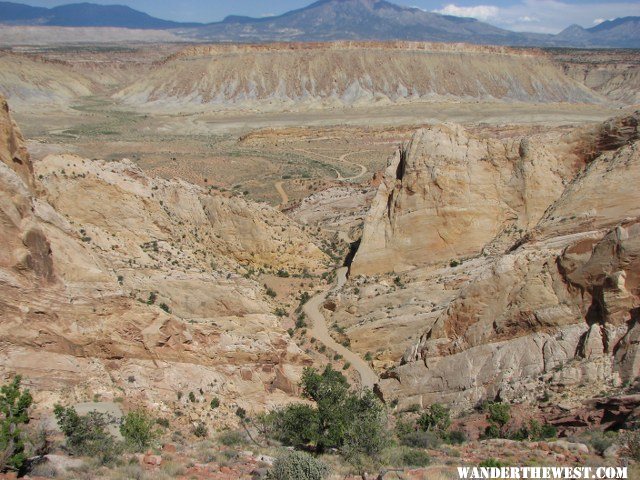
[348,74]
[116,284]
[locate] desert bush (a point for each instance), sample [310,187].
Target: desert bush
[436,418]
[421,439]
[455,437]
[87,435]
[138,430]
[215,403]
[600,441]
[231,438]
[354,423]
[498,415]
[296,425]
[14,406]
[412,457]
[163,422]
[298,466]
[200,430]
[491,462]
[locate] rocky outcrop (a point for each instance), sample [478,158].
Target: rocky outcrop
[554,310]
[116,284]
[448,194]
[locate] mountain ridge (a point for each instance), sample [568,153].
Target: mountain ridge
[329,20]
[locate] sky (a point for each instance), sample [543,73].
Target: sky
[543,16]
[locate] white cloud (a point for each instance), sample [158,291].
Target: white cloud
[481,12]
[544,16]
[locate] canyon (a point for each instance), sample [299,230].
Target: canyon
[443,223]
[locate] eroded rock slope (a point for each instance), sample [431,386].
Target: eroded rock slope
[545,300]
[114,284]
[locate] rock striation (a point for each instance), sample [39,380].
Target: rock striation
[350,73]
[548,233]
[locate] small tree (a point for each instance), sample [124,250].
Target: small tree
[498,415]
[138,430]
[87,435]
[298,466]
[14,406]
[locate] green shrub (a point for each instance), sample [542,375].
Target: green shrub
[421,439]
[436,418]
[14,406]
[298,466]
[163,422]
[231,438]
[215,403]
[296,425]
[600,441]
[353,422]
[498,415]
[87,435]
[137,429]
[412,457]
[300,321]
[192,397]
[200,430]
[548,431]
[491,463]
[271,292]
[456,437]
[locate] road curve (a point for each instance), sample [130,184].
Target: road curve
[320,331]
[283,195]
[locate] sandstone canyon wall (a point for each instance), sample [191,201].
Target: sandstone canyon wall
[547,298]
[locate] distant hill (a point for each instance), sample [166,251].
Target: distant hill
[83,15]
[621,32]
[328,20]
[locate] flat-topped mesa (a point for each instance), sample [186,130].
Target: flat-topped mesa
[434,47]
[350,73]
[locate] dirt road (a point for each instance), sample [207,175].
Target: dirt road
[283,194]
[320,331]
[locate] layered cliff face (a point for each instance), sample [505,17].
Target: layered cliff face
[547,297]
[116,284]
[344,73]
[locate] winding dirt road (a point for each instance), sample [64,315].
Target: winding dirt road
[283,194]
[320,331]
[342,159]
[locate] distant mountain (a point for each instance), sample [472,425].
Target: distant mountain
[621,32]
[83,15]
[327,20]
[357,20]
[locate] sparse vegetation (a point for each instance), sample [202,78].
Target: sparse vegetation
[87,435]
[298,466]
[138,430]
[14,407]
